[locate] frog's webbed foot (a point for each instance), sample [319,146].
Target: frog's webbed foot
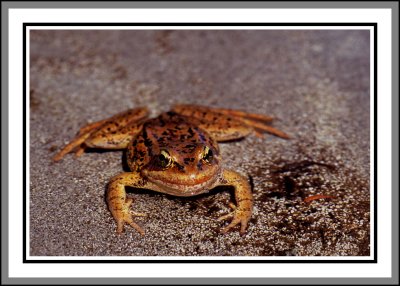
[228,124]
[111,133]
[242,212]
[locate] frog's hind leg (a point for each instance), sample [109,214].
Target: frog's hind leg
[243,114]
[228,124]
[257,121]
[259,126]
[111,133]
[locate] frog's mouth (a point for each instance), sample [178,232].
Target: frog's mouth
[185,186]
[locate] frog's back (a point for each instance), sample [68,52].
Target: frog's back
[169,131]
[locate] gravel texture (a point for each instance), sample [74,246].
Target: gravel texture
[315,83]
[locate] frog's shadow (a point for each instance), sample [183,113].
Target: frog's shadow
[207,201]
[125,166]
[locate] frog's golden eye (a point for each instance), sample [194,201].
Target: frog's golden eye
[208,155]
[164,159]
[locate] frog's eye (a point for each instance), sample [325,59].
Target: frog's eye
[208,154]
[164,159]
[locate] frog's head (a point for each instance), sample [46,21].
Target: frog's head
[184,169]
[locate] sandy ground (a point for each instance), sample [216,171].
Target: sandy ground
[316,84]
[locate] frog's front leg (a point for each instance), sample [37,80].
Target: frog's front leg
[119,204]
[244,201]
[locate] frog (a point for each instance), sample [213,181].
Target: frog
[176,153]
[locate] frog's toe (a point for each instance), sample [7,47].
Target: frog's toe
[129,220]
[126,216]
[239,217]
[120,226]
[138,214]
[137,227]
[227,216]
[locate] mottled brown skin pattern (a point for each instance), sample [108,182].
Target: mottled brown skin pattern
[175,153]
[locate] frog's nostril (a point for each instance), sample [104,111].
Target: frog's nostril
[181,167]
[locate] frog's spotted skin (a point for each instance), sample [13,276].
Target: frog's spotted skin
[175,153]
[112,133]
